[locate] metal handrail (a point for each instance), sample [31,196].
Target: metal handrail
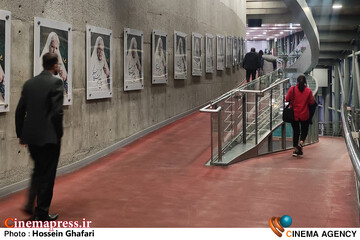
[266,89]
[205,109]
[353,150]
[235,90]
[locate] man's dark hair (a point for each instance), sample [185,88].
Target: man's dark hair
[49,60]
[252,50]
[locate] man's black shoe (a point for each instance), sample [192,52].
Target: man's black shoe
[27,210]
[49,217]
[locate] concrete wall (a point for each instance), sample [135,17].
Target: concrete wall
[92,125]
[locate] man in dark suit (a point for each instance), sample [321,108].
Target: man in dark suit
[251,63]
[38,120]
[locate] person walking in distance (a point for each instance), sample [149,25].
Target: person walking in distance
[300,98]
[38,120]
[251,63]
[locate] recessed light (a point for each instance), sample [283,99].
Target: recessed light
[336,6]
[247,33]
[264,32]
[281,32]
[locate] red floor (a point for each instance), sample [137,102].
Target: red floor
[161,181]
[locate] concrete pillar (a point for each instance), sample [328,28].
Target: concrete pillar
[326,96]
[346,81]
[355,92]
[356,74]
[336,90]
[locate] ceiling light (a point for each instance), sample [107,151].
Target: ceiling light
[268,39]
[336,6]
[247,33]
[264,32]
[281,32]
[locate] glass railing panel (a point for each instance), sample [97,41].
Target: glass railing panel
[238,114]
[227,117]
[263,116]
[277,140]
[214,136]
[250,117]
[263,148]
[289,136]
[277,97]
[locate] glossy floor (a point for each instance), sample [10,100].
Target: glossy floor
[161,181]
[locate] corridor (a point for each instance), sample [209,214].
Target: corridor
[161,181]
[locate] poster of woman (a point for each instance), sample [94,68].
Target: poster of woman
[133,60]
[197,54]
[5,46]
[99,74]
[229,52]
[159,57]
[180,61]
[209,46]
[220,57]
[239,51]
[55,37]
[235,47]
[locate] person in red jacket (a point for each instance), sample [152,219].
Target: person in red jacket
[300,98]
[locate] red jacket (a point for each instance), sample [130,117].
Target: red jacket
[301,102]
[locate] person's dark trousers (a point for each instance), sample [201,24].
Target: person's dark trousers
[46,159]
[32,193]
[300,129]
[251,73]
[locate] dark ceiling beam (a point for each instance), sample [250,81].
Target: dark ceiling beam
[329,3]
[272,18]
[335,46]
[331,55]
[337,36]
[264,11]
[326,62]
[344,20]
[265,4]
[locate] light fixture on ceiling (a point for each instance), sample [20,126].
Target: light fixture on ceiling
[247,33]
[281,32]
[264,33]
[336,6]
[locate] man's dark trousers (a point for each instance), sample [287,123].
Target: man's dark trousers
[252,73]
[46,160]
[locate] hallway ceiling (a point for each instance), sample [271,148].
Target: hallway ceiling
[339,29]
[276,20]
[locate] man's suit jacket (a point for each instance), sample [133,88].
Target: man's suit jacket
[39,113]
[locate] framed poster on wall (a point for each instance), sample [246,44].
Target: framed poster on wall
[239,51]
[56,37]
[235,47]
[5,46]
[197,64]
[220,50]
[209,46]
[229,46]
[180,61]
[99,62]
[243,48]
[159,57]
[133,59]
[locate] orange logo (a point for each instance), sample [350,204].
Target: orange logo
[277,224]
